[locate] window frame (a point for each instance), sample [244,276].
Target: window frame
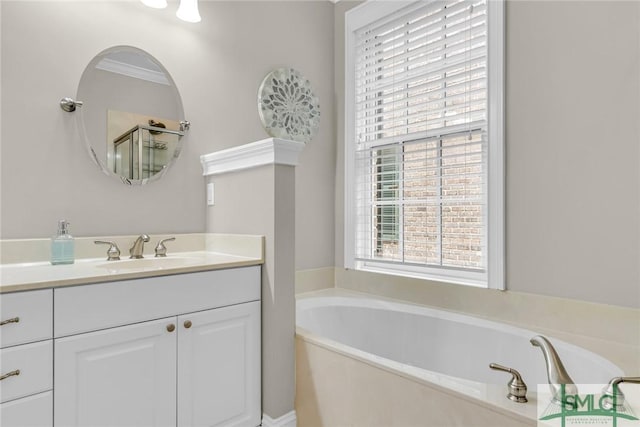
[494,275]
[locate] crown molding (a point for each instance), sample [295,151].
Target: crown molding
[267,151]
[134,71]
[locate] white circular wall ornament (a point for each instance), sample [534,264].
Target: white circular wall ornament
[287,106]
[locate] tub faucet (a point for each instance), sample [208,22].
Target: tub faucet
[138,247]
[556,373]
[613,396]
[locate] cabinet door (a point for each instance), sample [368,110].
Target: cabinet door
[123,376]
[219,367]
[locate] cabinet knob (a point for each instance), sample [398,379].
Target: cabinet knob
[171,327]
[10,374]
[187,324]
[12,320]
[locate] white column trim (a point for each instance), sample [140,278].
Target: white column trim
[267,151]
[287,420]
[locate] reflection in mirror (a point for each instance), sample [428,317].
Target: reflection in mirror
[143,150]
[132,118]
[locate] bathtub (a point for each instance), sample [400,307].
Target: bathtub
[369,361]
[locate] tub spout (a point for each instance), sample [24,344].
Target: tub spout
[556,373]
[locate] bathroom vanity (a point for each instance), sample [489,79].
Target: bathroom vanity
[165,350]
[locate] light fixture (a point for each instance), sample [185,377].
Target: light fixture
[188,11]
[156,4]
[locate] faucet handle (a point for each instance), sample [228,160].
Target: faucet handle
[113,253]
[161,249]
[517,387]
[613,395]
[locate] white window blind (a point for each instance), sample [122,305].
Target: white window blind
[420,130]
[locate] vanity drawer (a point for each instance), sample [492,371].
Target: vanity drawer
[105,305]
[32,411]
[35,363]
[34,313]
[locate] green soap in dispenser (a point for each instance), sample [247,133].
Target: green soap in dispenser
[62,245]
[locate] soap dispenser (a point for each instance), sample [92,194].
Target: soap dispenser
[62,245]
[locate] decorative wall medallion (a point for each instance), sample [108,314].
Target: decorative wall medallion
[287,105]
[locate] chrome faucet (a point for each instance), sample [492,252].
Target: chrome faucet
[138,246]
[556,373]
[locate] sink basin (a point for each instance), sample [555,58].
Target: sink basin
[148,264]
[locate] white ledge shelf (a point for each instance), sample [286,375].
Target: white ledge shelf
[270,151]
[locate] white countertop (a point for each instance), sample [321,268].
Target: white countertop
[26,267]
[39,275]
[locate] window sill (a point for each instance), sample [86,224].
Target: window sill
[453,276]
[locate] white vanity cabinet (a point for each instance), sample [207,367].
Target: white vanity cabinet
[180,349]
[174,350]
[26,359]
[208,362]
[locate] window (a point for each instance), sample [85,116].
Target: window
[423,140]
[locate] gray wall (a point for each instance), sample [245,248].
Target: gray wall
[269,213]
[573,102]
[217,65]
[573,148]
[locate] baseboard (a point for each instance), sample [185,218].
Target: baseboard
[287,420]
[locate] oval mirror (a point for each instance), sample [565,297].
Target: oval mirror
[131,118]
